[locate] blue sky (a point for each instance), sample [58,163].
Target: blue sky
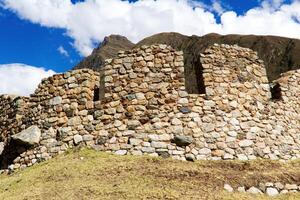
[54,35]
[24,42]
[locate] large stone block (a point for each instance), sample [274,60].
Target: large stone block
[29,136]
[182,140]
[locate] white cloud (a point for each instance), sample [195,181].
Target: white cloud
[272,4]
[217,7]
[264,21]
[21,79]
[62,51]
[90,21]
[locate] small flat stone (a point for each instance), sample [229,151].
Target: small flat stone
[183,94]
[131,97]
[140,96]
[245,143]
[291,187]
[204,151]
[148,149]
[56,101]
[77,139]
[190,157]
[242,157]
[183,101]
[228,156]
[88,138]
[135,142]
[279,186]
[159,145]
[184,110]
[228,188]
[272,191]
[121,152]
[241,189]
[254,190]
[176,121]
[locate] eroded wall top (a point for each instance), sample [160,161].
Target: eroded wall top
[233,71]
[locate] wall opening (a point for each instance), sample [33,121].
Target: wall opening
[11,151]
[193,73]
[102,84]
[276,92]
[96,94]
[200,78]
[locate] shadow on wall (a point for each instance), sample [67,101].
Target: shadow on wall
[200,79]
[11,151]
[276,92]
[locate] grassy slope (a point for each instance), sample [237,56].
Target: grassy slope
[87,174]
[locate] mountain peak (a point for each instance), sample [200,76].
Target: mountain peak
[107,49]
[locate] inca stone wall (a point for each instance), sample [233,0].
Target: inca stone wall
[12,111]
[138,104]
[62,108]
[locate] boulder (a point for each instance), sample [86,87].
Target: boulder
[228,188]
[77,139]
[29,136]
[254,190]
[182,140]
[272,191]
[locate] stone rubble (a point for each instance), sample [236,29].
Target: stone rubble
[270,189]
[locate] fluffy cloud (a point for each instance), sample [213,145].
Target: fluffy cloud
[62,51]
[217,7]
[88,22]
[20,79]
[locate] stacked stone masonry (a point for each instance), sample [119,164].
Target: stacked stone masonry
[138,105]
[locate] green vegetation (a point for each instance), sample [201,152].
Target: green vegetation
[87,174]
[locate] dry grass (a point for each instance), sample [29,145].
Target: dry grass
[87,174]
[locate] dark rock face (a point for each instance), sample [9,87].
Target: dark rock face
[279,54]
[107,49]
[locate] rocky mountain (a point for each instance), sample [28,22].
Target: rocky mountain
[278,53]
[107,49]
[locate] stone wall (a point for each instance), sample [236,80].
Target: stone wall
[235,119]
[12,109]
[62,108]
[138,105]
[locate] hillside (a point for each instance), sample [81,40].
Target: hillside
[87,174]
[278,53]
